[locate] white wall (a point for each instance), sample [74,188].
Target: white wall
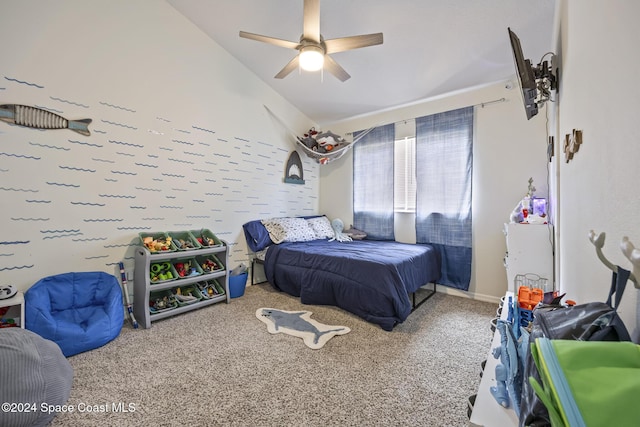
[180,138]
[599,94]
[508,150]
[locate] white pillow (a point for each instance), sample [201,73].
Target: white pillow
[289,230]
[322,227]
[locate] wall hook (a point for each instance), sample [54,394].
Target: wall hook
[628,250]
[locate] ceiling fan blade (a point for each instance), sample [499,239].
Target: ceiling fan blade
[353,42]
[270,40]
[292,65]
[311,23]
[334,68]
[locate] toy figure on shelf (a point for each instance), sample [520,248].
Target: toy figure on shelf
[530,210]
[157,245]
[185,269]
[209,265]
[185,244]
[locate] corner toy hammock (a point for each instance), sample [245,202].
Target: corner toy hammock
[323,147]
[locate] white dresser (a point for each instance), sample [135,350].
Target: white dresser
[529,251]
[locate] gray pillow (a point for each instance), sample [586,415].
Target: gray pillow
[33,371]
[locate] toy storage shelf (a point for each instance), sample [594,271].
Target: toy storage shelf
[486,410]
[142,286]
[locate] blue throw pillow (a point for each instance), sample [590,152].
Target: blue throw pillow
[257,235]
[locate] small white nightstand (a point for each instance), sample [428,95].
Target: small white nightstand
[16,300]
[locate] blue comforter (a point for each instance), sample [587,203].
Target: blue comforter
[372,279]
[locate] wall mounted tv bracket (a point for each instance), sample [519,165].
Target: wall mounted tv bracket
[546,80]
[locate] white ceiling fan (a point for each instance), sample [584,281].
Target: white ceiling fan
[314,50]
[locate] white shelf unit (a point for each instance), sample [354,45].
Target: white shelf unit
[142,286]
[15,303]
[486,410]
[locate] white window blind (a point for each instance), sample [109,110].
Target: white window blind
[405,175]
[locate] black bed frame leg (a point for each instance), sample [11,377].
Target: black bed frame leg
[422,301]
[255,261]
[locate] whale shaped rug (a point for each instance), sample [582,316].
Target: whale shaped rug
[299,324]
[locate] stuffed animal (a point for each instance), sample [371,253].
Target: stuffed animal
[338,226]
[309,139]
[328,141]
[354,233]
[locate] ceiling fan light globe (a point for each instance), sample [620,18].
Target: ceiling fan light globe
[311,58]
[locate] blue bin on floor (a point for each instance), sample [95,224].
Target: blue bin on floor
[237,285]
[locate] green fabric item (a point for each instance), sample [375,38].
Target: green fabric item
[589,383]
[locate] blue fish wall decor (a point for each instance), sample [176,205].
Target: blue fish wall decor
[32,117]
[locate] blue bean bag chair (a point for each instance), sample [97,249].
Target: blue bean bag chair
[77,311]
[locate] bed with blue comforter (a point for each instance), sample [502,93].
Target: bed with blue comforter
[375,280]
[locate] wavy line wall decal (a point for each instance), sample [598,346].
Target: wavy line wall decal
[66,101]
[85,143]
[122,125]
[198,178]
[117,107]
[61,184]
[61,236]
[182,142]
[71,168]
[91,239]
[16,267]
[20,156]
[87,204]
[22,82]
[49,146]
[128,144]
[203,129]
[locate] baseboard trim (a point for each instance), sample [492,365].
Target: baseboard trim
[467,294]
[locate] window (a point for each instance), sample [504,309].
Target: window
[404,175]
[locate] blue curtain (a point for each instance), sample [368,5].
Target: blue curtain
[444,161]
[373,183]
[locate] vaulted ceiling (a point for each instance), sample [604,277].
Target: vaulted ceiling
[431,47]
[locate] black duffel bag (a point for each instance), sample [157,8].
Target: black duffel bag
[594,321]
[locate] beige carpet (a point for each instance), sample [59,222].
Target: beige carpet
[219,366]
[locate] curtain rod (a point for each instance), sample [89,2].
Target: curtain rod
[481,104]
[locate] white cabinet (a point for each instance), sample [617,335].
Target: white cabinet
[529,251]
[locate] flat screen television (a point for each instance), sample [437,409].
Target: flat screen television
[526,76]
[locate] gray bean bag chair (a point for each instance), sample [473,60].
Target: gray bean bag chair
[35,372]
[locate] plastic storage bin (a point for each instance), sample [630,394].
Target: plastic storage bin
[184,241]
[210,289]
[186,267]
[161,272]
[162,301]
[187,295]
[206,238]
[210,263]
[158,242]
[237,284]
